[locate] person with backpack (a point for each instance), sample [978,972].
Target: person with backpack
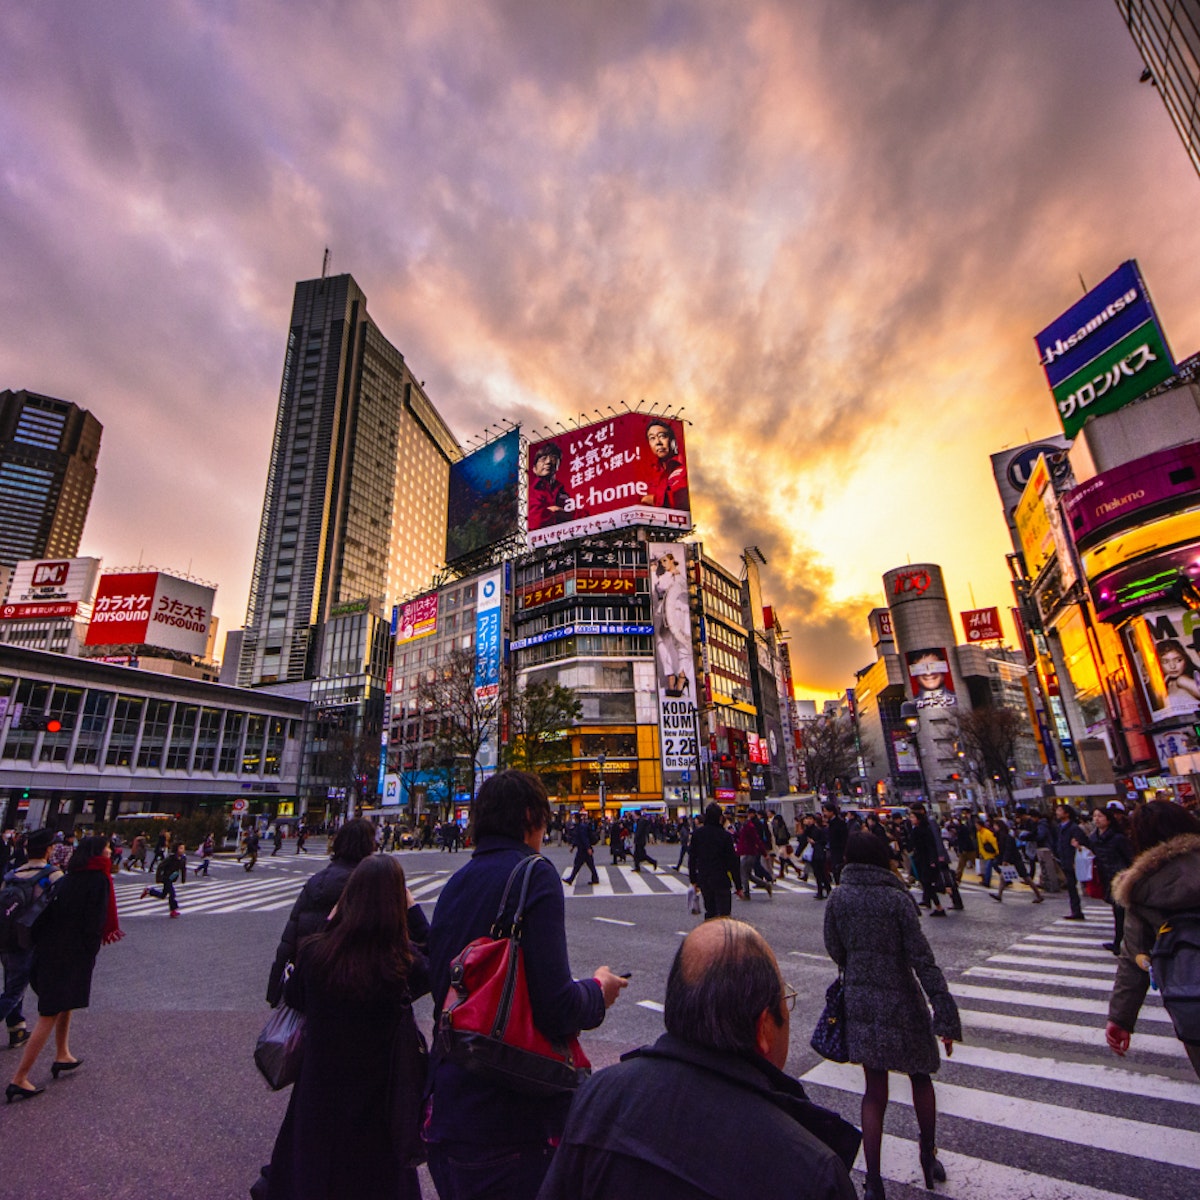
[24,893]
[171,871]
[1160,894]
[206,853]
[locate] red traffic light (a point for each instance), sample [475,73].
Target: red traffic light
[53,726]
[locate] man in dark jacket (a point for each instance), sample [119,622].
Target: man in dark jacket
[1069,836]
[925,859]
[728,1017]
[641,833]
[835,823]
[583,838]
[713,867]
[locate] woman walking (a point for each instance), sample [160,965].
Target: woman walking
[1012,863]
[354,982]
[873,933]
[66,939]
[1113,855]
[813,848]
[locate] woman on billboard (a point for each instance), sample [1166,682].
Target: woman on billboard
[669,487]
[1180,674]
[672,624]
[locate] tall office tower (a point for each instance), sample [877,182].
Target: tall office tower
[48,452]
[1167,32]
[355,505]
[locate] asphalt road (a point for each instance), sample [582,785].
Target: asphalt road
[1033,1107]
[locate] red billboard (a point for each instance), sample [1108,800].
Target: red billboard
[148,608]
[930,677]
[628,470]
[982,625]
[418,619]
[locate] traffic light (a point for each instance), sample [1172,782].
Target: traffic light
[39,723]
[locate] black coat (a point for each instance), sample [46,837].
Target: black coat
[309,914]
[1113,854]
[677,1121]
[334,1141]
[712,861]
[66,940]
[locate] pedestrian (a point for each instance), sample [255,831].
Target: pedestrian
[616,842]
[1012,863]
[838,832]
[66,939]
[1113,854]
[925,859]
[583,838]
[206,853]
[1045,840]
[641,832]
[989,848]
[814,843]
[888,968]
[280,834]
[301,838]
[34,877]
[1069,838]
[713,867]
[750,849]
[1164,879]
[965,845]
[727,1016]
[137,853]
[169,874]
[354,982]
[685,837]
[61,850]
[486,1139]
[352,843]
[161,843]
[251,851]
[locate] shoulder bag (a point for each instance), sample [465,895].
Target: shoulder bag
[487,1026]
[829,1036]
[279,1048]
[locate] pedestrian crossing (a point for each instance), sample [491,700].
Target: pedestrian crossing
[618,879]
[1032,1105]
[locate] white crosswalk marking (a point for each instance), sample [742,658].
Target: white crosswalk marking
[1034,1071]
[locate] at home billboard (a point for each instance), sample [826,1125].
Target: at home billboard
[628,470]
[1105,351]
[483,497]
[148,608]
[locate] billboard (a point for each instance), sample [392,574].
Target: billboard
[1012,468]
[1034,532]
[148,608]
[628,470]
[489,595]
[483,497]
[49,588]
[672,617]
[1105,351]
[982,625]
[1166,647]
[930,677]
[418,619]
[904,748]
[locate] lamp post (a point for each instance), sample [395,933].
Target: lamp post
[911,716]
[601,759]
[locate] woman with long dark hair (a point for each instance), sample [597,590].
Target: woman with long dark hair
[1113,854]
[354,982]
[66,939]
[873,933]
[1164,879]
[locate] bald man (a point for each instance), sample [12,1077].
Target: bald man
[707,1113]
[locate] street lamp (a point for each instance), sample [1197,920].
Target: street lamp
[601,759]
[911,716]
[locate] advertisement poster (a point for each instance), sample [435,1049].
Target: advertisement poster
[482,507]
[1164,644]
[672,619]
[152,609]
[1033,522]
[50,588]
[628,470]
[490,592]
[418,619]
[929,674]
[982,625]
[905,751]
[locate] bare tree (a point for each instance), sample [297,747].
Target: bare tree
[827,751]
[540,718]
[458,720]
[988,737]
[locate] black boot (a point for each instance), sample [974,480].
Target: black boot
[873,1190]
[934,1171]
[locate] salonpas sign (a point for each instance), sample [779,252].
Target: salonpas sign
[1105,351]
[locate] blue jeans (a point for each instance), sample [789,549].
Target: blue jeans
[985,871]
[464,1171]
[17,965]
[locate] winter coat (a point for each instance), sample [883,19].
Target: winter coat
[66,940]
[749,840]
[873,932]
[712,861]
[1113,855]
[1165,879]
[1064,850]
[309,914]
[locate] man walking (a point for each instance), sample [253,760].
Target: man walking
[583,838]
[169,874]
[750,849]
[835,825]
[251,851]
[713,864]
[1070,838]
[641,832]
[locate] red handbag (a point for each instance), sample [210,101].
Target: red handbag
[488,1027]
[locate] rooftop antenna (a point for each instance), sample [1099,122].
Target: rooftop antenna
[971,589]
[325,264]
[1082,284]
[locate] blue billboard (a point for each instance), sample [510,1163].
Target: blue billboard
[483,497]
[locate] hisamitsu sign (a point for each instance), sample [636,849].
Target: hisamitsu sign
[1105,351]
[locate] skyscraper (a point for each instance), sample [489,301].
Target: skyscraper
[1167,32]
[355,505]
[48,452]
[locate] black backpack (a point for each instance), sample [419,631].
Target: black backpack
[19,908]
[1175,967]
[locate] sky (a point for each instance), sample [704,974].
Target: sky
[828,229]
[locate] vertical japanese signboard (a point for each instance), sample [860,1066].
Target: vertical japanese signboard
[489,594]
[673,658]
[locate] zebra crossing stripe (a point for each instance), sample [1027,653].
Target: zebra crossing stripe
[1069,951]
[1119,1135]
[1054,939]
[1018,960]
[1056,1031]
[1075,981]
[422,886]
[970,1178]
[1098,1008]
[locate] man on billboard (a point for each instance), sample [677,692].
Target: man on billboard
[547,496]
[669,487]
[672,624]
[932,684]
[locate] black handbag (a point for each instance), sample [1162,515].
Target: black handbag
[407,1073]
[829,1036]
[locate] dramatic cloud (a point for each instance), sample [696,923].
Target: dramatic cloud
[829,230]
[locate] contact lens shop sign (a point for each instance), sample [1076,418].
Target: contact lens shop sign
[1105,351]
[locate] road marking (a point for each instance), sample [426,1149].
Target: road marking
[425,887]
[1059,940]
[1017,960]
[613,921]
[638,886]
[1118,1135]
[1075,1004]
[804,954]
[1069,951]
[1056,1031]
[1075,981]
[653,1005]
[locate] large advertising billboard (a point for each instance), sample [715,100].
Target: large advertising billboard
[483,497]
[1166,646]
[628,470]
[1013,467]
[672,617]
[418,619]
[1105,351]
[49,588]
[148,608]
[930,677]
[489,596]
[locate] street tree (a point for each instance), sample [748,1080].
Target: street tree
[827,751]
[458,720]
[988,738]
[540,717]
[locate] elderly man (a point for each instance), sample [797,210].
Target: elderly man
[718,1069]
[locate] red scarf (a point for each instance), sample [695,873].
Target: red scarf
[112,931]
